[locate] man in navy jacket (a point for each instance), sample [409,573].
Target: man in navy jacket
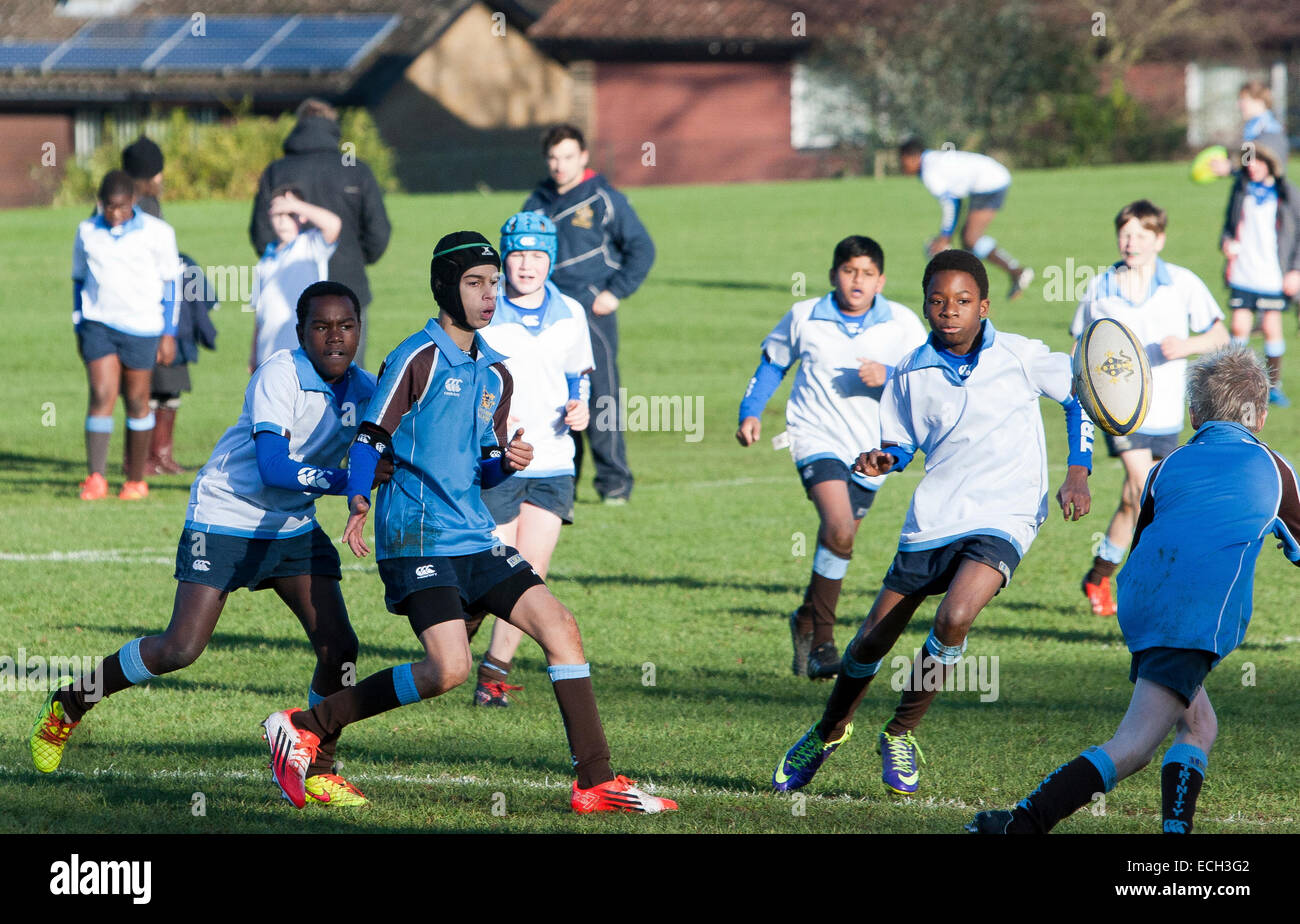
[604,254]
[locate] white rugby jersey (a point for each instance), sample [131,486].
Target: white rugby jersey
[286,395]
[542,349]
[985,452]
[831,413]
[1255,267]
[281,275]
[123,271]
[1178,305]
[957,174]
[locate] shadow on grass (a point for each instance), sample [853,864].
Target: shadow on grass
[722,284]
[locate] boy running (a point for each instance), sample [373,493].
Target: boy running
[951,176]
[1174,315]
[544,335]
[440,412]
[968,399]
[847,343]
[251,523]
[1185,597]
[1261,241]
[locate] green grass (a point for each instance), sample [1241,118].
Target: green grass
[694,577]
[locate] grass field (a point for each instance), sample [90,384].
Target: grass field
[688,585]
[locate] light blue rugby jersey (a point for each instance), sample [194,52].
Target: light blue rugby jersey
[286,395]
[443,412]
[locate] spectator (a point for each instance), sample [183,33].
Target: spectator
[341,184]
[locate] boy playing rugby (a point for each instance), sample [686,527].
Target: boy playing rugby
[968,399]
[846,343]
[1185,597]
[544,335]
[440,412]
[1173,314]
[251,523]
[951,176]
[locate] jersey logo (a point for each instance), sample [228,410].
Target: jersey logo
[452,386]
[313,478]
[201,564]
[514,560]
[583,217]
[488,400]
[425,571]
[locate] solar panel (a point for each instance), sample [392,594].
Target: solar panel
[252,43]
[24,54]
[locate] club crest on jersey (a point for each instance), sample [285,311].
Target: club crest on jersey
[583,217]
[488,400]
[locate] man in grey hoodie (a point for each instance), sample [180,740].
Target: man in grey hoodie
[337,181]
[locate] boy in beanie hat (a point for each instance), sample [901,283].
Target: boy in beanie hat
[439,413]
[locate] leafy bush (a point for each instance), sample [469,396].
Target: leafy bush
[221,160]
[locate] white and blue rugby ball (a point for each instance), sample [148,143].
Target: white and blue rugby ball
[1112,376]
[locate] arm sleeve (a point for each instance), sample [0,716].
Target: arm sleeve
[79,267]
[1287,525]
[171,308]
[1202,310]
[895,433]
[278,470]
[766,380]
[364,454]
[949,213]
[375,228]
[579,361]
[1079,432]
[271,394]
[579,386]
[320,248]
[636,249]
[495,437]
[77,286]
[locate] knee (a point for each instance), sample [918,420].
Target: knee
[176,654]
[1130,497]
[837,538]
[433,678]
[952,623]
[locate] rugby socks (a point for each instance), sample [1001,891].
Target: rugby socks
[587,746]
[930,671]
[1107,561]
[1063,792]
[1273,352]
[490,671]
[1181,777]
[99,430]
[139,433]
[115,673]
[850,686]
[822,595]
[378,693]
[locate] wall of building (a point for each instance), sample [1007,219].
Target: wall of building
[33,151]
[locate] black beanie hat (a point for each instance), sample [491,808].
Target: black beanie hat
[452,256]
[142,159]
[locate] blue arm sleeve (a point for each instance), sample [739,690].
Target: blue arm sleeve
[767,379]
[77,286]
[363,457]
[279,471]
[1079,433]
[902,455]
[579,387]
[491,471]
[951,212]
[169,308]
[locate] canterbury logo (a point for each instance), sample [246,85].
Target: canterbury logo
[426,571]
[313,478]
[201,564]
[452,386]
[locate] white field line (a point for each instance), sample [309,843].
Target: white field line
[504,785]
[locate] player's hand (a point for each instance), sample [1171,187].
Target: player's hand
[1174,348]
[1229,247]
[383,472]
[1074,497]
[1291,284]
[606,303]
[873,374]
[874,463]
[576,415]
[519,455]
[1221,166]
[750,430]
[939,244]
[359,508]
[166,350]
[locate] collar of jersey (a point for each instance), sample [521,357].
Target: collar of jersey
[1161,278]
[552,309]
[1222,431]
[927,355]
[134,223]
[826,310]
[455,355]
[309,379]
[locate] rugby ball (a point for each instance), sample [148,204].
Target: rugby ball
[1202,167]
[1112,377]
